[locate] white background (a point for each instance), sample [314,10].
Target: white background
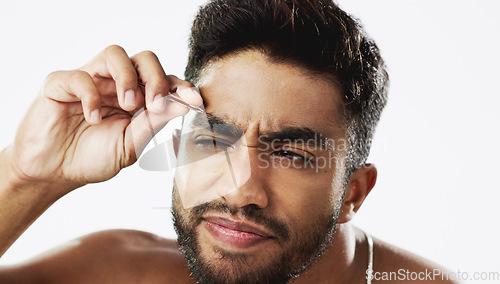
[436,146]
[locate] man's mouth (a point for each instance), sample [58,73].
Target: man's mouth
[235,233]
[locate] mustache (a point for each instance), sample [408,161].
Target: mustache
[278,227]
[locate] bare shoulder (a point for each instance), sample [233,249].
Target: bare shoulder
[395,265]
[114,256]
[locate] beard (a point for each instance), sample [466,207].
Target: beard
[298,249]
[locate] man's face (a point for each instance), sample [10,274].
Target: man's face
[260,209]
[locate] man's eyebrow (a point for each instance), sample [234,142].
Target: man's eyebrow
[223,125]
[297,135]
[218,124]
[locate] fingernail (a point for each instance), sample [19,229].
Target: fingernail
[180,91]
[159,102]
[185,91]
[130,98]
[196,90]
[95,116]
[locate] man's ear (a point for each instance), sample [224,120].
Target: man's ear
[360,184]
[176,138]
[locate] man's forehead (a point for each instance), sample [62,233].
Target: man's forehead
[248,89]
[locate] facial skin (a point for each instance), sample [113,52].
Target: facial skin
[280,217]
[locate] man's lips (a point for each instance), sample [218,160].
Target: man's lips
[235,233]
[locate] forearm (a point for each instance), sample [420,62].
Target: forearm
[21,202]
[73,135]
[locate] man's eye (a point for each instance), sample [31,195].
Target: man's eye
[213,144]
[291,160]
[289,155]
[288,158]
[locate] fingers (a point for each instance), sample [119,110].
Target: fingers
[141,130]
[112,79]
[74,86]
[114,63]
[146,123]
[154,79]
[114,66]
[187,91]
[123,73]
[158,85]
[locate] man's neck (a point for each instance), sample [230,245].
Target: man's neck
[344,261]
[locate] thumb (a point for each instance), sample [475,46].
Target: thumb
[146,124]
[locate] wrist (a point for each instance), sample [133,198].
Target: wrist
[21,201]
[15,183]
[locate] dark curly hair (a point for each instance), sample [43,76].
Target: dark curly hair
[313,34]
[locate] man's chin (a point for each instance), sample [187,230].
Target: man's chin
[228,261]
[245,251]
[236,262]
[234,265]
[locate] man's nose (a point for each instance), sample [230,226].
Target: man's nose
[252,188]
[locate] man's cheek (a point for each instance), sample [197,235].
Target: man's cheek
[204,180]
[196,185]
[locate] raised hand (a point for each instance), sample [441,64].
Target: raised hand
[80,128]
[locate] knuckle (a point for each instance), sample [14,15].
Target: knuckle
[52,76]
[79,75]
[173,78]
[52,80]
[148,54]
[114,49]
